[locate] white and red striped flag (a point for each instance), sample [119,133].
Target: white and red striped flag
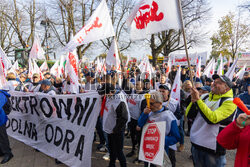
[6,64]
[3,80]
[209,70]
[99,26]
[176,88]
[153,16]
[112,58]
[31,68]
[198,67]
[72,71]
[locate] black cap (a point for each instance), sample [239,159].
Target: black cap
[164,87]
[206,88]
[47,73]
[224,79]
[246,73]
[209,80]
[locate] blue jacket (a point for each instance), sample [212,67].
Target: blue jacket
[245,97]
[172,137]
[3,100]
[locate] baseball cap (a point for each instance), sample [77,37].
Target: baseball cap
[209,80]
[46,82]
[224,79]
[246,73]
[164,87]
[36,75]
[206,88]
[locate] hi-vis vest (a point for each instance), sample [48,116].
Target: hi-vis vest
[202,133]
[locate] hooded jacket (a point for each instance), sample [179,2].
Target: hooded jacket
[3,100]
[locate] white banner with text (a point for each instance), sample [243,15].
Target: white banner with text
[61,126]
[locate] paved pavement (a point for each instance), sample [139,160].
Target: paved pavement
[25,156]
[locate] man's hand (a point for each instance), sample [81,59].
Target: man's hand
[25,89]
[241,118]
[195,96]
[147,110]
[138,128]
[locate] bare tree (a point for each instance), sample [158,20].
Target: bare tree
[119,10]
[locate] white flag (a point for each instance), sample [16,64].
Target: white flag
[240,74]
[99,26]
[198,67]
[3,80]
[44,66]
[209,70]
[55,69]
[72,71]
[220,69]
[37,70]
[14,68]
[169,66]
[176,88]
[153,16]
[112,58]
[37,50]
[31,68]
[5,62]
[231,70]
[62,64]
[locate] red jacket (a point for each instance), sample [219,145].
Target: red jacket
[232,137]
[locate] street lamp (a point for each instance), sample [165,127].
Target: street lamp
[46,24]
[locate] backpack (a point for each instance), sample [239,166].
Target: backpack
[7,107]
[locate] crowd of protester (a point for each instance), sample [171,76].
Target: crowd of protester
[205,106]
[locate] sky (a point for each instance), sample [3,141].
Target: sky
[219,9]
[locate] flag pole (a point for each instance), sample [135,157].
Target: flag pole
[185,42]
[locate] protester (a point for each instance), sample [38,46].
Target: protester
[156,113]
[135,106]
[245,97]
[237,136]
[12,83]
[174,106]
[35,85]
[211,112]
[209,82]
[115,118]
[242,84]
[46,87]
[5,149]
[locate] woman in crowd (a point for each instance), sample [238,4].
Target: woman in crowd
[237,136]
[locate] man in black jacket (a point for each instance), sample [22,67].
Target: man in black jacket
[115,117]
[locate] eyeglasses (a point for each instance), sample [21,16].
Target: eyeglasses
[152,103]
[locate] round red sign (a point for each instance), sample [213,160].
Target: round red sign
[151,142]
